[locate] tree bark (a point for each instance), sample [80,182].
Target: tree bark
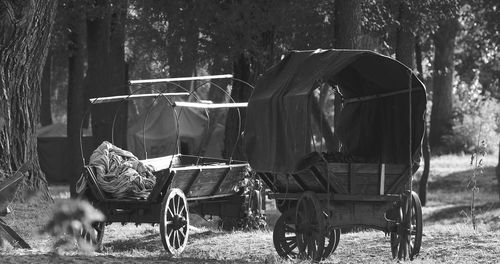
[442,106]
[324,126]
[216,94]
[25,30]
[118,76]
[498,171]
[45,109]
[76,93]
[98,74]
[233,147]
[405,39]
[348,16]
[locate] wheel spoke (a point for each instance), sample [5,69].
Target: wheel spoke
[169,209]
[178,204]
[178,239]
[176,234]
[183,209]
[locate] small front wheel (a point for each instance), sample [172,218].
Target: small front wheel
[310,227]
[174,221]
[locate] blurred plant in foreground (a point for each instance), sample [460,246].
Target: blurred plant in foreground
[70,219]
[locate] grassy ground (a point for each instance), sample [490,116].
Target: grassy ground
[448,233]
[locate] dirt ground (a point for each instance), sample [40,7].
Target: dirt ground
[448,233]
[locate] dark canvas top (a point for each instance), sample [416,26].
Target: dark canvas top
[278,126]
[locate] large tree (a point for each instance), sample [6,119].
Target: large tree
[348,17]
[442,98]
[75,100]
[25,28]
[104,28]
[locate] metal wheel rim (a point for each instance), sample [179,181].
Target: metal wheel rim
[284,237]
[406,242]
[174,222]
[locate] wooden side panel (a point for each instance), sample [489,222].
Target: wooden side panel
[287,183]
[183,179]
[364,178]
[204,184]
[348,214]
[311,181]
[344,178]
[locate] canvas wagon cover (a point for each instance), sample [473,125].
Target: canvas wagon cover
[278,126]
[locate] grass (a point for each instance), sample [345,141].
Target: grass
[448,233]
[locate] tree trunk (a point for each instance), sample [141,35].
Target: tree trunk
[98,71]
[76,88]
[498,171]
[405,39]
[25,30]
[45,110]
[442,107]
[216,93]
[348,16]
[323,126]
[233,147]
[426,151]
[118,79]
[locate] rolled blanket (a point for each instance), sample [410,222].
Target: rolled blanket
[120,174]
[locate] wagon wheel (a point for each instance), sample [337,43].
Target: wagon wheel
[174,221]
[333,241]
[408,238]
[285,239]
[310,227]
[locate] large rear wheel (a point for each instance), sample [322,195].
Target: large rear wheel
[406,242]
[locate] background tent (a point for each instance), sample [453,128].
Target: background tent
[53,153]
[157,131]
[160,139]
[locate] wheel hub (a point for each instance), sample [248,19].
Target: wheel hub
[178,222]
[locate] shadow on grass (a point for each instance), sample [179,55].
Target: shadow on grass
[148,243]
[458,181]
[152,242]
[13,258]
[458,211]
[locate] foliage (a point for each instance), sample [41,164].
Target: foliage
[179,37]
[253,217]
[476,116]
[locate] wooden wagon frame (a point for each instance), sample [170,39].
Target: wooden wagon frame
[380,127]
[208,186]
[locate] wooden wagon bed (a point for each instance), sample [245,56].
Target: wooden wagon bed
[201,179]
[345,181]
